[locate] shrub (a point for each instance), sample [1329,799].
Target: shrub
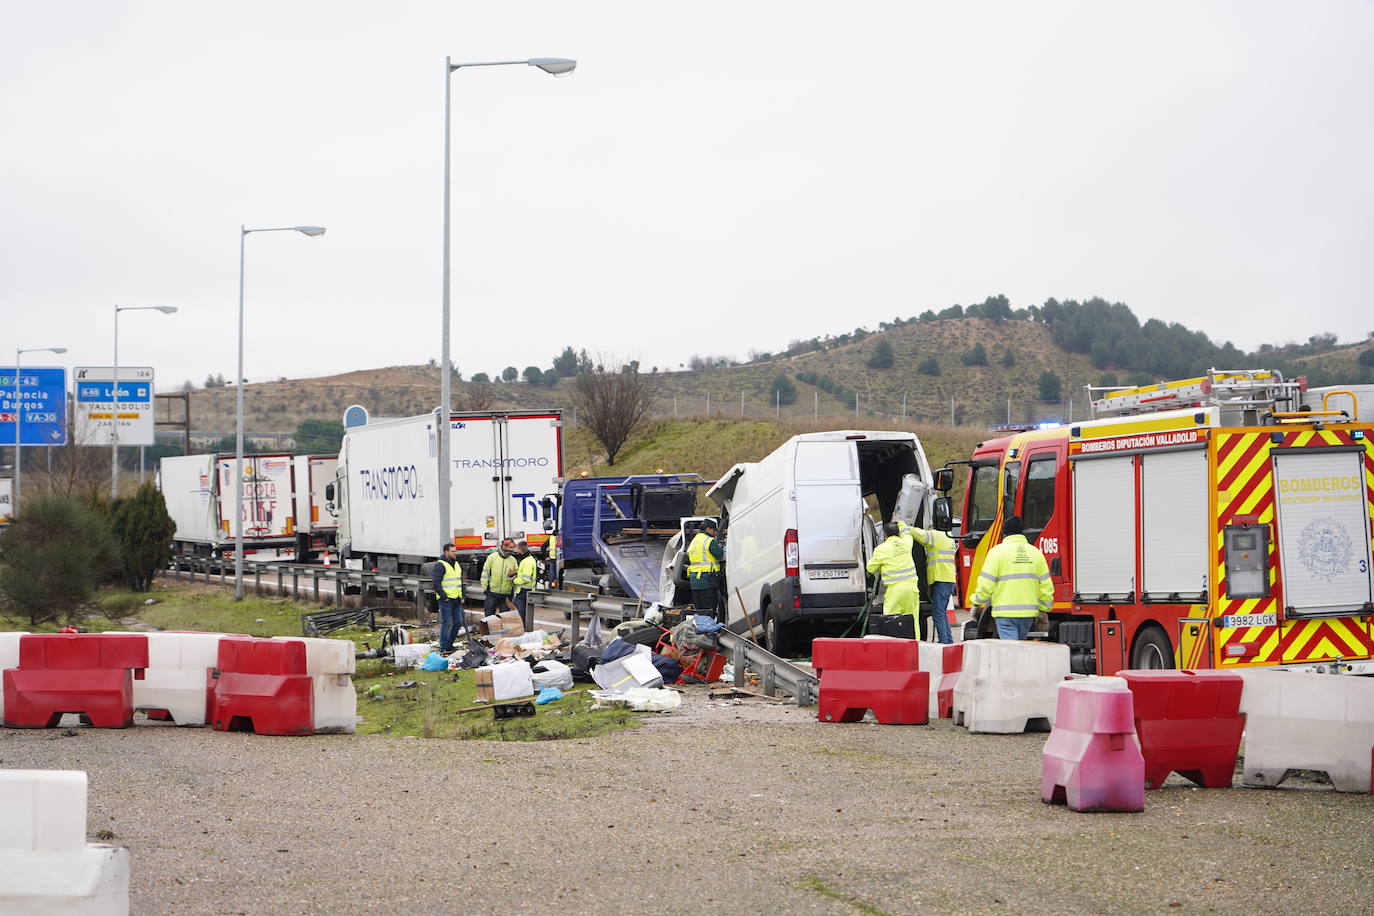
[881,357]
[143,531]
[977,355]
[929,366]
[55,553]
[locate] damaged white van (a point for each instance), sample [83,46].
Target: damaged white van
[802,522]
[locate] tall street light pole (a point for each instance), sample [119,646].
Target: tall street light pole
[556,66]
[18,422]
[114,426]
[311,231]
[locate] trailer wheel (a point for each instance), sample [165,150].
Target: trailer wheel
[1152,650]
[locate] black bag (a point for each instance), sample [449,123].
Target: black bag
[899,626]
[474,657]
[584,659]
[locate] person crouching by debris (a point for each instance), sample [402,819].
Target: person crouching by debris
[448,588]
[498,577]
[704,557]
[526,572]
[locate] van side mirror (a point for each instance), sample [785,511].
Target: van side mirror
[329,492]
[944,479]
[942,513]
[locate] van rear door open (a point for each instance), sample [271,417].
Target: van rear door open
[829,505]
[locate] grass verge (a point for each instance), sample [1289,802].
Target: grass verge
[429,710]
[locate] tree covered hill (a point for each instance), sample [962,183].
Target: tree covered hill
[980,364]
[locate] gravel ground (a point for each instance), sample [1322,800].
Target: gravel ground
[721,807]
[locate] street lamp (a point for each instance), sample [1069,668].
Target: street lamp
[311,231]
[18,420]
[555,66]
[114,425]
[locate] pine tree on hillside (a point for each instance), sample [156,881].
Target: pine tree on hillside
[881,356]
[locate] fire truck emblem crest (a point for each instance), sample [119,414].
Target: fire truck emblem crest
[1326,550]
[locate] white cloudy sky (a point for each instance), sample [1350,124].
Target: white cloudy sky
[715,177]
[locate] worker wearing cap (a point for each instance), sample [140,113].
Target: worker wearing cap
[1014,583]
[939,549]
[704,558]
[448,588]
[901,585]
[498,577]
[526,572]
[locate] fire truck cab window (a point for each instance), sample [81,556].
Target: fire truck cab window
[1010,475]
[982,499]
[1037,503]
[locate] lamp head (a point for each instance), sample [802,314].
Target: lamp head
[311,231]
[57,349]
[166,309]
[557,66]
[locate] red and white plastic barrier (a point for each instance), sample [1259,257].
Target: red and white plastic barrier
[174,674]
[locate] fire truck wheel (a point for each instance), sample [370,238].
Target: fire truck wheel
[1152,650]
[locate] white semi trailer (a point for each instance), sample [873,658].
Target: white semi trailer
[199,490]
[315,525]
[386,498]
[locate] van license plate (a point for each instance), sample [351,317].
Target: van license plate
[827,574]
[1249,620]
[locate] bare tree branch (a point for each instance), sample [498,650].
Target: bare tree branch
[611,403]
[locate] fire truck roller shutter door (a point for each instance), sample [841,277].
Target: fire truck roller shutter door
[1104,526]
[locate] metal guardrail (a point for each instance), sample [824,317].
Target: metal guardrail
[775,672]
[331,584]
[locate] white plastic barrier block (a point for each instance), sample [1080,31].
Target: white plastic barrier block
[1007,685]
[326,656]
[336,703]
[175,679]
[46,867]
[9,658]
[1297,720]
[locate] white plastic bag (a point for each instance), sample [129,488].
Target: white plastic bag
[552,673]
[640,699]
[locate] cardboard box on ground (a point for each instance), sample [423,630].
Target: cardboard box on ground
[507,623]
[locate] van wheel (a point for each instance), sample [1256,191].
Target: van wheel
[778,640]
[1152,650]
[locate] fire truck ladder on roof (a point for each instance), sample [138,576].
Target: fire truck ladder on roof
[1260,389]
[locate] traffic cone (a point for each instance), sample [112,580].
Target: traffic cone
[326,558]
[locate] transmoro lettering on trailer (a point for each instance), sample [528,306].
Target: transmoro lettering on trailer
[390,483]
[478,463]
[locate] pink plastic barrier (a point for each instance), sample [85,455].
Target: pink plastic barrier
[1092,760]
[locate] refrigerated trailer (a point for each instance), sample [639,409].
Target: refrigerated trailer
[315,525]
[385,494]
[1215,522]
[199,491]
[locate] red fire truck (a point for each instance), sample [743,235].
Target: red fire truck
[1213,522]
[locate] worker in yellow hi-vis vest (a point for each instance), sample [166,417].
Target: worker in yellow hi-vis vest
[901,585]
[704,558]
[1014,582]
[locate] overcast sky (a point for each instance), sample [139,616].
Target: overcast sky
[714,178]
